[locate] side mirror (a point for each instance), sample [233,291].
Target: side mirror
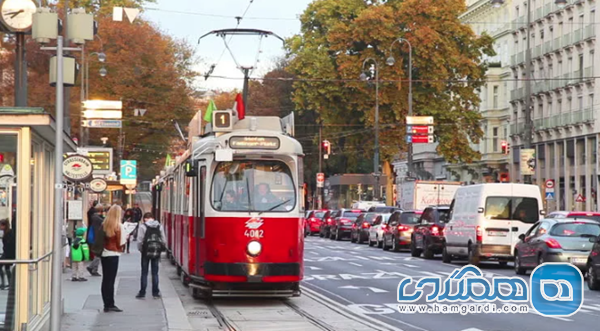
[594,239]
[542,212]
[522,237]
[480,210]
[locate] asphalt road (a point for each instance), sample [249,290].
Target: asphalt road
[365,279]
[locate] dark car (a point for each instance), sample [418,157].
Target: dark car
[593,265]
[360,228]
[326,222]
[563,240]
[314,218]
[427,237]
[399,232]
[383,209]
[342,223]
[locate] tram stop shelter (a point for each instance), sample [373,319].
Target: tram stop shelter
[27,138]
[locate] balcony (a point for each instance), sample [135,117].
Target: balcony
[539,14]
[565,80]
[564,119]
[520,57]
[547,9]
[513,60]
[590,32]
[577,77]
[556,44]
[588,73]
[517,128]
[548,47]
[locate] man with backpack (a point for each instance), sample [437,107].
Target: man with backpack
[151,243]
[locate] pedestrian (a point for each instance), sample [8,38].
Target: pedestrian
[80,252]
[95,227]
[114,242]
[92,210]
[151,243]
[9,251]
[137,213]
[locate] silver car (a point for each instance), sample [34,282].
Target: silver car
[555,240]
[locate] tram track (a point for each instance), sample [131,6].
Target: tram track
[313,320]
[220,317]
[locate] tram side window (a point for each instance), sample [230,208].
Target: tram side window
[259,186]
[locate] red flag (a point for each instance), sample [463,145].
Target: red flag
[239,106]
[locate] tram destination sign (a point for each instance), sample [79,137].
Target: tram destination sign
[254,143]
[101,158]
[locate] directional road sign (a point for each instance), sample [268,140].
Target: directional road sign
[419,139]
[419,120]
[128,172]
[419,129]
[105,124]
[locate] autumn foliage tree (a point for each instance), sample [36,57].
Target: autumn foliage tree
[147,69]
[339,35]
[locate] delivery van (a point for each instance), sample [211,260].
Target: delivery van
[487,219]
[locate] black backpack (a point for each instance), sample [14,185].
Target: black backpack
[152,246]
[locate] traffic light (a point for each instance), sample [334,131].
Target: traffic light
[505,148]
[326,148]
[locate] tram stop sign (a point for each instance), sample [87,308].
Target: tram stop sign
[128,172]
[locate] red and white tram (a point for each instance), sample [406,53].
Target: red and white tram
[232,208]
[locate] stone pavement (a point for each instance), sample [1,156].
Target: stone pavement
[83,307]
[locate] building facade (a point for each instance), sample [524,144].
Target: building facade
[564,114]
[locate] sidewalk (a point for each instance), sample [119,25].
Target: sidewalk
[83,307]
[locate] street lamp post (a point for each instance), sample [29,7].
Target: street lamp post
[363,76]
[528,134]
[86,91]
[391,61]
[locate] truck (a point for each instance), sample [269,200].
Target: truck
[419,194]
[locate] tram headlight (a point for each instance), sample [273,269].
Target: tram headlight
[254,248]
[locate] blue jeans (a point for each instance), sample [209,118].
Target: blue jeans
[144,281]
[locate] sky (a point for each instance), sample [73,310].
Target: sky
[191,19]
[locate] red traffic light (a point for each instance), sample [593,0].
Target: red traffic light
[326,145]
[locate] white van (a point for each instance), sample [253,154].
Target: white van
[487,219]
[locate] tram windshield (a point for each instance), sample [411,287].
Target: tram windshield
[253,186]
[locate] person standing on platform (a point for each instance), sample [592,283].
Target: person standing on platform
[94,227]
[137,213]
[151,243]
[114,242]
[9,252]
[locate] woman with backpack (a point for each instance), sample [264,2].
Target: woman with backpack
[113,238]
[151,243]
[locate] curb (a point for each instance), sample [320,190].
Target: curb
[175,313]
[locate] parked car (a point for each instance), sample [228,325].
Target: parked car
[324,228]
[588,215]
[342,223]
[593,265]
[558,214]
[376,230]
[383,209]
[556,240]
[399,232]
[314,218]
[486,220]
[360,228]
[427,236]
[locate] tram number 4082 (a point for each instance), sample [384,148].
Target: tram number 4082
[254,233]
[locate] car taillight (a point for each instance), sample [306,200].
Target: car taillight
[403,228]
[329,221]
[552,243]
[366,225]
[383,226]
[435,230]
[479,234]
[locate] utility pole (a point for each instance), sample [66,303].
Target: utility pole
[246,71]
[320,189]
[67,90]
[20,72]
[82,133]
[528,134]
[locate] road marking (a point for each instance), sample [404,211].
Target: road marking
[410,265]
[358,247]
[431,274]
[356,264]
[313,268]
[315,253]
[472,329]
[373,289]
[533,311]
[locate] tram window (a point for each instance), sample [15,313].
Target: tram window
[259,186]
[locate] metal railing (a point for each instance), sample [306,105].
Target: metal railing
[590,31]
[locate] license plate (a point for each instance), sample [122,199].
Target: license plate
[579,260]
[497,233]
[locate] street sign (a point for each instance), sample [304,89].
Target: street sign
[320,179]
[419,120]
[103,104]
[419,139]
[101,158]
[527,162]
[128,172]
[103,114]
[580,198]
[550,184]
[549,195]
[105,124]
[419,129]
[139,112]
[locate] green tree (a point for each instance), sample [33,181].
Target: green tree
[338,35]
